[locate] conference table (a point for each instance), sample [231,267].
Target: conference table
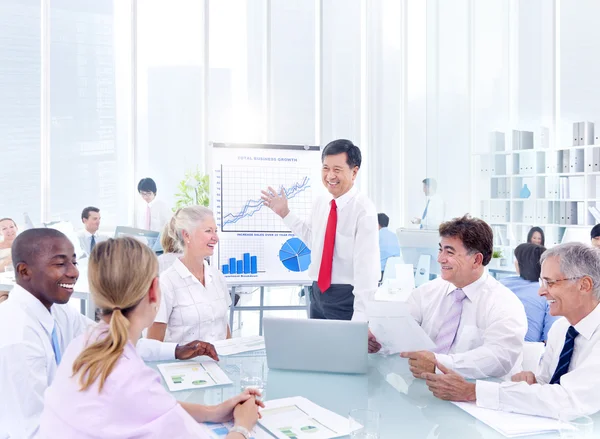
[407,408]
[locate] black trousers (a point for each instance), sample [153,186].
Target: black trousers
[337,303]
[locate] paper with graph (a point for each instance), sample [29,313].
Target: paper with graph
[237,345]
[185,375]
[220,431]
[301,418]
[255,245]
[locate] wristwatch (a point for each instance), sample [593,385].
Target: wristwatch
[241,430]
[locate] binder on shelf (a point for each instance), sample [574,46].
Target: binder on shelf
[576,160]
[563,191]
[545,137]
[526,139]
[571,213]
[595,159]
[562,209]
[528,211]
[580,213]
[575,133]
[576,187]
[497,141]
[516,140]
[586,133]
[565,161]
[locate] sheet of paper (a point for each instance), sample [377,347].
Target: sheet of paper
[510,424]
[301,418]
[238,345]
[220,431]
[396,330]
[192,375]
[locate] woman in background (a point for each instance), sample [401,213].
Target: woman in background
[170,251]
[526,286]
[195,298]
[8,231]
[536,236]
[103,388]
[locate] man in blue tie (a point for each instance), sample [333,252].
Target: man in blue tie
[567,378]
[434,211]
[89,236]
[36,326]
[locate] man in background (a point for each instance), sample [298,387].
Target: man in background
[434,212]
[595,236]
[89,236]
[388,241]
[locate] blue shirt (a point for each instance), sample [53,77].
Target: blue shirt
[539,319]
[388,245]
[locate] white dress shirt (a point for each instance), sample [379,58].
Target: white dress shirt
[166,260]
[356,252]
[160,214]
[578,389]
[85,241]
[436,212]
[191,310]
[491,333]
[27,361]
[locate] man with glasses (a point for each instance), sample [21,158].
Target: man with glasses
[477,324]
[154,213]
[567,378]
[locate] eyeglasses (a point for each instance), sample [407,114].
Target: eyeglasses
[545,284]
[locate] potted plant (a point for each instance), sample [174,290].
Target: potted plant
[194,189]
[498,256]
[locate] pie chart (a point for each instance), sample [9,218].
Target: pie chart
[294,255]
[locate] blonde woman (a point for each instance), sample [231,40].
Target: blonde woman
[8,231]
[170,251]
[102,387]
[195,299]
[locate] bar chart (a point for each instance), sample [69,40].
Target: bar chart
[241,256]
[248,264]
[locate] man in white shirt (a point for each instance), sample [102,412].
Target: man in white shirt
[567,379]
[36,326]
[154,213]
[477,324]
[435,211]
[89,236]
[342,234]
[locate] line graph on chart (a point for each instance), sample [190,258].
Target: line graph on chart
[242,209]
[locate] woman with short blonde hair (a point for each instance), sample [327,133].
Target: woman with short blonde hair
[195,300]
[102,387]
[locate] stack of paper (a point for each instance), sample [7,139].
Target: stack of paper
[301,418]
[185,375]
[219,431]
[510,424]
[238,345]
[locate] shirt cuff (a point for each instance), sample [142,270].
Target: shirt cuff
[154,350]
[487,394]
[446,360]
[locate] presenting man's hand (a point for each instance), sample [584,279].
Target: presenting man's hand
[420,362]
[195,349]
[278,203]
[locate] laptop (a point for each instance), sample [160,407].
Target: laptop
[316,345]
[148,237]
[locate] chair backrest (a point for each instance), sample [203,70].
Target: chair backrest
[532,355]
[389,271]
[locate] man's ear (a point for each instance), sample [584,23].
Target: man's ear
[23,271]
[586,285]
[478,259]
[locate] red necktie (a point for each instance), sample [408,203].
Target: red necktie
[324,281]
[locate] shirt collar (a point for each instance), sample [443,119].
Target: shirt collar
[88,234]
[472,289]
[184,272]
[343,200]
[588,325]
[34,307]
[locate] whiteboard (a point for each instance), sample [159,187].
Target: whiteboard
[255,246]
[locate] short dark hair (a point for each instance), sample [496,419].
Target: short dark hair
[528,256]
[340,146]
[475,234]
[383,219]
[85,213]
[595,231]
[29,243]
[430,183]
[532,231]
[147,185]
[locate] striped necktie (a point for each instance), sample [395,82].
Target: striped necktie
[449,328]
[92,243]
[565,356]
